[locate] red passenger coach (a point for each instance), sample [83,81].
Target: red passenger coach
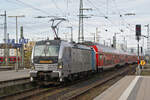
[107,57]
[1,60]
[11,59]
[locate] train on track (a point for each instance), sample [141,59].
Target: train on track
[58,60]
[11,59]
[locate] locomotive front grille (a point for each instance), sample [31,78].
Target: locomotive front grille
[46,67]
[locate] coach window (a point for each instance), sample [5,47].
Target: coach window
[9,59]
[104,60]
[14,59]
[100,57]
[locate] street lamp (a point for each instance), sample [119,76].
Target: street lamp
[110,41]
[5,37]
[114,40]
[16,17]
[71,33]
[93,36]
[148,39]
[65,36]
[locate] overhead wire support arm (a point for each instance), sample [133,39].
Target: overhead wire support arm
[86,9]
[85,16]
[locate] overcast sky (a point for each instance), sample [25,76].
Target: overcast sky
[37,29]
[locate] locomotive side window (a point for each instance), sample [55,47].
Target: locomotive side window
[66,54]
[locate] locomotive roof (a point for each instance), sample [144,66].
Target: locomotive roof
[54,42]
[85,46]
[63,42]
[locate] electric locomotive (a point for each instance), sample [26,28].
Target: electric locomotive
[57,60]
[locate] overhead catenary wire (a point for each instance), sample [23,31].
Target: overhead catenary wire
[30,6]
[33,7]
[121,16]
[20,3]
[102,14]
[37,9]
[105,16]
[58,8]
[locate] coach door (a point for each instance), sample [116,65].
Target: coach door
[101,60]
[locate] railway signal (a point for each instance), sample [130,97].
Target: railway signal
[138,32]
[70,27]
[138,35]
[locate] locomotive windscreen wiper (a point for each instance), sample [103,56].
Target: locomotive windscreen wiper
[46,49]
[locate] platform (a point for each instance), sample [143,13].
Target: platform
[128,88]
[12,74]
[4,68]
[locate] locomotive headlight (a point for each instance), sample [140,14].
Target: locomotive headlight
[60,65]
[32,66]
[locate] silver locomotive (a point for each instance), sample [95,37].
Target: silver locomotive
[57,60]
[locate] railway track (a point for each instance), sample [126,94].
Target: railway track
[10,87]
[100,86]
[14,82]
[83,88]
[4,68]
[74,89]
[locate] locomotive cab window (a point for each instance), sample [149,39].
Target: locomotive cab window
[46,52]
